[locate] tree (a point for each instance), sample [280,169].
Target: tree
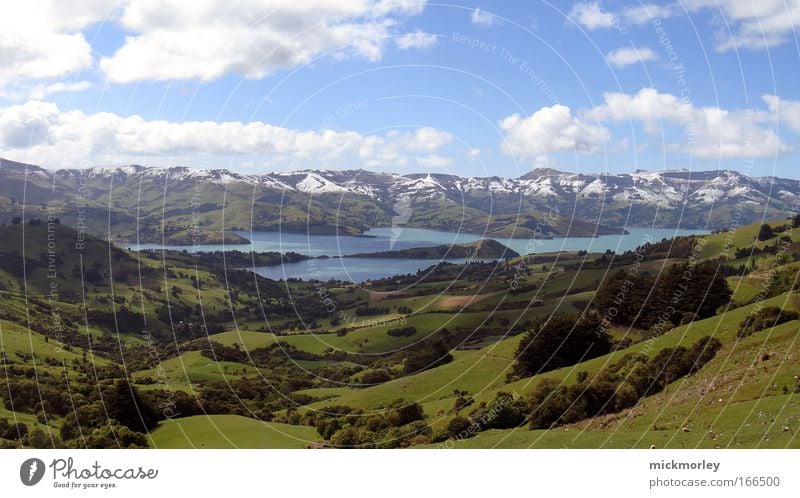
[560,340]
[765,232]
[426,357]
[16,220]
[124,405]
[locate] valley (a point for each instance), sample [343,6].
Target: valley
[191,350]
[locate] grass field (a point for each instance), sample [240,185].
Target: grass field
[230,431]
[180,372]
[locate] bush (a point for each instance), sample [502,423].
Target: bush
[503,412]
[768,317]
[376,377]
[459,427]
[404,332]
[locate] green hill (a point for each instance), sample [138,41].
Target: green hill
[230,431]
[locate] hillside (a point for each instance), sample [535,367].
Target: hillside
[454,356]
[484,248]
[182,206]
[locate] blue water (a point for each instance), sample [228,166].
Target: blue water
[349,269]
[384,239]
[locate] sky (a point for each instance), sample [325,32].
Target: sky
[470,88]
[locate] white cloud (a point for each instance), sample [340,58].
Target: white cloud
[434,161]
[417,39]
[65,138]
[41,91]
[551,129]
[592,16]
[626,56]
[709,132]
[42,39]
[787,111]
[175,39]
[473,153]
[645,13]
[755,24]
[741,24]
[479,17]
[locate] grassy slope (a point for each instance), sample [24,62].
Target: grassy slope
[17,341]
[482,372]
[745,236]
[190,367]
[230,431]
[736,400]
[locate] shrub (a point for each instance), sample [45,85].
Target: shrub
[404,332]
[459,427]
[768,317]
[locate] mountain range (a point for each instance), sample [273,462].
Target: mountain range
[180,205]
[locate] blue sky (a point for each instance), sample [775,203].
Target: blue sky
[474,88]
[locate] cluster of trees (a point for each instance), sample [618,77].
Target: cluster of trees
[617,386]
[504,411]
[768,317]
[371,310]
[681,247]
[426,356]
[746,252]
[106,413]
[374,377]
[677,295]
[16,220]
[398,425]
[403,332]
[240,259]
[614,388]
[765,232]
[560,340]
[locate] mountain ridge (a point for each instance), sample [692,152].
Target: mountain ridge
[156,204]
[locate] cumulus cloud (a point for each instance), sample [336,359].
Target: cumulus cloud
[591,16]
[174,39]
[709,132]
[480,17]
[417,39]
[626,56]
[551,129]
[63,138]
[787,111]
[753,25]
[42,39]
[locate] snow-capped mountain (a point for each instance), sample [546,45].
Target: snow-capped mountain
[350,201]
